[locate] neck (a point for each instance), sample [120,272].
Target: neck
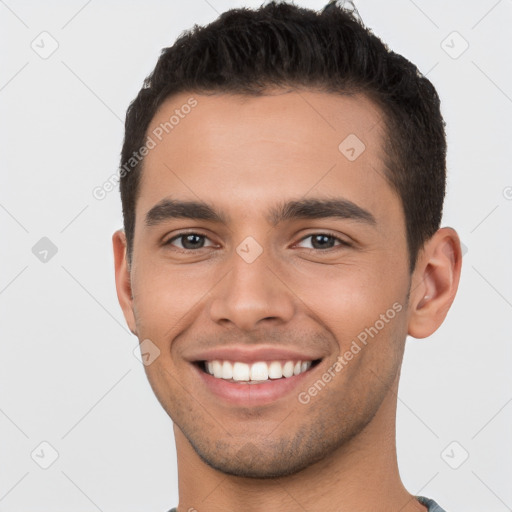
[361,475]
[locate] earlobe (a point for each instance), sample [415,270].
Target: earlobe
[123,279]
[435,282]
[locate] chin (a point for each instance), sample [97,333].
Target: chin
[250,461]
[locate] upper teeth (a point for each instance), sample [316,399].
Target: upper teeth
[258,371]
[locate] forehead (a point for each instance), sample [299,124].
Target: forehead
[280,116]
[237,148]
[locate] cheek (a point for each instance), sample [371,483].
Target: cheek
[166,295]
[347,297]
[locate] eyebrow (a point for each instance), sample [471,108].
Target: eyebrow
[314,208]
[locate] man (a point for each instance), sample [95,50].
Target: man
[282,182]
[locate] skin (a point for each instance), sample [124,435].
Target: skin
[244,155]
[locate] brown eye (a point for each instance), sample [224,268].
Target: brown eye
[188,241]
[323,241]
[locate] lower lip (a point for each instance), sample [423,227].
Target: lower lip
[252,394]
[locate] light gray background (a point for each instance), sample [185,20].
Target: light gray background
[68,375]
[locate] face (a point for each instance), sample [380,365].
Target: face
[295,262]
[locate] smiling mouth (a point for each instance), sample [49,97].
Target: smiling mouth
[257,372]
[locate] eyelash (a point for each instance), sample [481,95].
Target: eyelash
[343,243]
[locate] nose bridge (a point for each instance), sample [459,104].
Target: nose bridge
[252,290]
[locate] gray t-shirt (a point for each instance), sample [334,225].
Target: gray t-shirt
[431,504]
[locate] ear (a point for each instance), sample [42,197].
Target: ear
[123,281]
[434,282]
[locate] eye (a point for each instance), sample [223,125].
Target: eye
[324,241]
[189,241]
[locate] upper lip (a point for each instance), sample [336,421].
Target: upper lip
[246,354]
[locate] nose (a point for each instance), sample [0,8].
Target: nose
[252,294]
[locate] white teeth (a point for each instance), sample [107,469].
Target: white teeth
[227,370]
[217,369]
[288,369]
[259,371]
[241,371]
[304,366]
[275,370]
